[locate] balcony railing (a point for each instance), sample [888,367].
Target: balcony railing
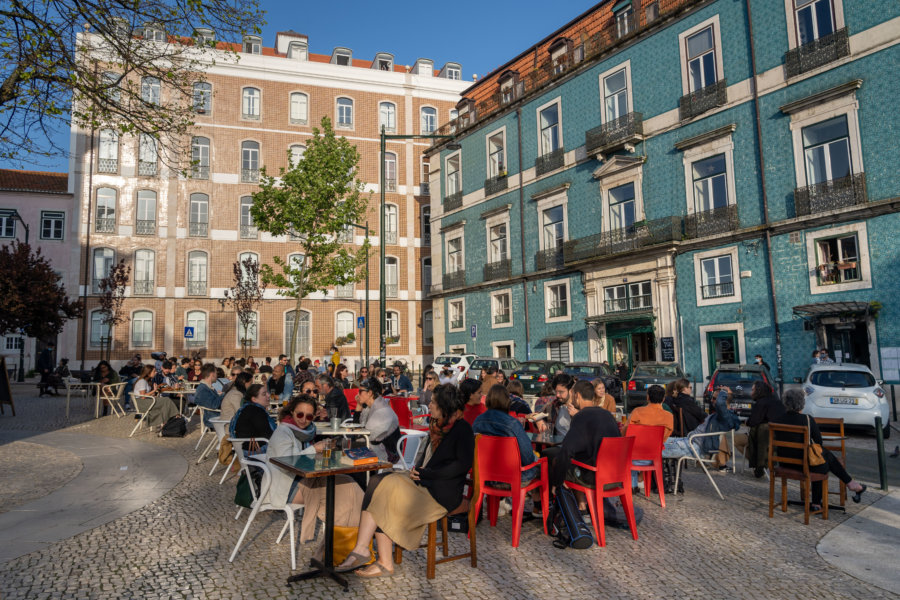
[816,53]
[143,288]
[453,201]
[106,225]
[701,101]
[426,238]
[198,229]
[108,165]
[558,311]
[550,161]
[718,290]
[831,195]
[200,172]
[712,222]
[617,241]
[146,167]
[390,290]
[630,304]
[390,237]
[95,285]
[627,129]
[492,185]
[456,324]
[249,232]
[455,279]
[424,189]
[390,185]
[497,270]
[196,288]
[250,175]
[552,258]
[502,319]
[343,291]
[145,227]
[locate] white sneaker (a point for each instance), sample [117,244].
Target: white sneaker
[504,508]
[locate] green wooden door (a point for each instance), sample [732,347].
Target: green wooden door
[721,347]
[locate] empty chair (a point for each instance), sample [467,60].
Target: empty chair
[142,406]
[112,394]
[408,446]
[220,427]
[648,446]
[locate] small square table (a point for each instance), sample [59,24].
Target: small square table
[545,439]
[315,466]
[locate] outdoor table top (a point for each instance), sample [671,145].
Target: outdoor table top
[544,438]
[307,465]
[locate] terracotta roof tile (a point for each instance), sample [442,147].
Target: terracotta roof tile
[34,181]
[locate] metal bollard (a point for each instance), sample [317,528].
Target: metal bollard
[882,464]
[894,400]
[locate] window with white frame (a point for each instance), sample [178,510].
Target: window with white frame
[145,223]
[387,116]
[701,59]
[550,135]
[110,80]
[553,227]
[826,150]
[429,119]
[7,226]
[106,210]
[104,259]
[390,172]
[250,103]
[200,157]
[556,299]
[455,255]
[197,320]
[202,98]
[838,259]
[242,259]
[559,351]
[454,180]
[624,20]
[297,152]
[100,331]
[248,227]
[147,155]
[53,224]
[142,329]
[391,277]
[108,152]
[391,224]
[457,311]
[622,207]
[252,44]
[298,51]
[498,243]
[297,261]
[814,18]
[717,277]
[496,148]
[249,162]
[299,106]
[558,56]
[426,225]
[454,114]
[344,323]
[150,90]
[426,274]
[154,33]
[14,342]
[345,112]
[144,269]
[710,183]
[197,268]
[501,309]
[250,333]
[427,328]
[392,327]
[342,57]
[627,297]
[615,95]
[198,219]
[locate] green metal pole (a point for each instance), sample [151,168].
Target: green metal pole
[381,287]
[368,271]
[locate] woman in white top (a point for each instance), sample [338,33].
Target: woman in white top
[164,409]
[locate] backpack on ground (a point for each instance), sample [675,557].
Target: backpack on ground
[565,523]
[174,427]
[243,496]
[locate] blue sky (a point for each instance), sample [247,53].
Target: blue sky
[479,35]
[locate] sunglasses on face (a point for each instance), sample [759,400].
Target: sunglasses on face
[302,415]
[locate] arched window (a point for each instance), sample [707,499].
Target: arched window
[200,157]
[248,229]
[250,103]
[197,267]
[249,162]
[427,328]
[150,91]
[429,119]
[104,259]
[345,112]
[202,98]
[390,172]
[100,332]
[299,108]
[144,269]
[142,329]
[108,161]
[297,152]
[198,224]
[145,222]
[242,260]
[303,342]
[390,224]
[392,327]
[106,210]
[391,277]
[197,320]
[345,321]
[387,116]
[147,155]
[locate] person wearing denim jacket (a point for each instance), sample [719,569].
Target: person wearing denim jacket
[497,421]
[722,420]
[206,396]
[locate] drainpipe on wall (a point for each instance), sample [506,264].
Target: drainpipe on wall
[779,377]
[522,229]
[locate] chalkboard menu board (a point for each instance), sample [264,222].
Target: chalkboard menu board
[5,392]
[667,345]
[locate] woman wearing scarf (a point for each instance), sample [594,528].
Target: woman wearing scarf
[398,506]
[293,435]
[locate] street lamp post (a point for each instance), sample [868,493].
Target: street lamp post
[382,308]
[366,330]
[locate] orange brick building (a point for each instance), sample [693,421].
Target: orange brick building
[182,235]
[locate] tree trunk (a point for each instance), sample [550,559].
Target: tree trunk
[293,345]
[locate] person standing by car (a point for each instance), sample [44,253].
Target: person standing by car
[758,359]
[767,408]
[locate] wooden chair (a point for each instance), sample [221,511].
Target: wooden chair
[801,474]
[836,442]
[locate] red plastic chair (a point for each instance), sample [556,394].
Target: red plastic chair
[499,461]
[648,445]
[351,395]
[401,407]
[613,467]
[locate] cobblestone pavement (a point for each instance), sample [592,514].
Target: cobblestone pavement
[178,547]
[25,476]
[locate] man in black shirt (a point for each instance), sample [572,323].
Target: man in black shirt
[334,397]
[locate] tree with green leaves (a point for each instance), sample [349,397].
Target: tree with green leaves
[316,202]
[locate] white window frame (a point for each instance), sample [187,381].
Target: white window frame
[457,234]
[337,332]
[490,223]
[568,315]
[391,157]
[297,120]
[422,128]
[399,331]
[458,156]
[238,330]
[131,343]
[53,216]
[628,91]
[101,325]
[251,116]
[254,42]
[427,316]
[560,199]
[450,303]
[294,157]
[387,271]
[197,253]
[812,256]
[380,120]
[487,152]
[616,177]
[571,349]
[201,198]
[540,144]
[723,145]
[837,10]
[699,257]
[151,93]
[298,50]
[846,105]
[337,113]
[188,323]
[682,51]
[241,258]
[495,294]
[145,254]
[207,94]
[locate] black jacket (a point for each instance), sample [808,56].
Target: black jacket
[795,418]
[693,414]
[589,427]
[336,399]
[445,475]
[765,410]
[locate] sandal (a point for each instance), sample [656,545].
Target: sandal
[380,571]
[857,496]
[356,561]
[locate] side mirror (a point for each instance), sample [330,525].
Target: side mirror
[879,382]
[797,380]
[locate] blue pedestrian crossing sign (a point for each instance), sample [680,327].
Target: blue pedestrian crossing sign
[360,322]
[188,333]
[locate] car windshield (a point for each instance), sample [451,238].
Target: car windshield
[482,363]
[842,379]
[533,367]
[656,371]
[447,360]
[735,379]
[584,370]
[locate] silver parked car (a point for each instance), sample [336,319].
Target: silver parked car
[846,391]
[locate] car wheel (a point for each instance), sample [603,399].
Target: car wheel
[886,432]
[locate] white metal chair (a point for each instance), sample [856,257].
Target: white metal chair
[408,446]
[704,461]
[238,445]
[220,426]
[142,406]
[259,504]
[112,395]
[203,428]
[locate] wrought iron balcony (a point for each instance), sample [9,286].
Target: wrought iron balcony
[198,229]
[816,53]
[143,288]
[146,167]
[620,133]
[424,189]
[145,227]
[497,270]
[390,185]
[701,101]
[108,165]
[552,258]
[631,304]
[200,172]
[390,290]
[502,319]
[106,225]
[453,201]
[426,238]
[712,222]
[196,288]
[458,324]
[343,291]
[390,236]
[455,279]
[250,175]
[492,185]
[558,311]
[550,161]
[718,290]
[831,195]
[617,241]
[249,232]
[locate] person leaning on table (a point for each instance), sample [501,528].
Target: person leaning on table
[375,414]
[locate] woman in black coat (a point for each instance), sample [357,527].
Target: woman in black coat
[691,412]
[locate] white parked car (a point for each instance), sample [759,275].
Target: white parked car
[846,391]
[454,361]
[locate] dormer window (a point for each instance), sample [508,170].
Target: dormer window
[205,37]
[119,27]
[154,33]
[559,54]
[453,73]
[424,67]
[383,62]
[252,44]
[509,87]
[298,51]
[466,108]
[342,56]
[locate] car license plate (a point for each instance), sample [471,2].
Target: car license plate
[524,376]
[742,405]
[853,401]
